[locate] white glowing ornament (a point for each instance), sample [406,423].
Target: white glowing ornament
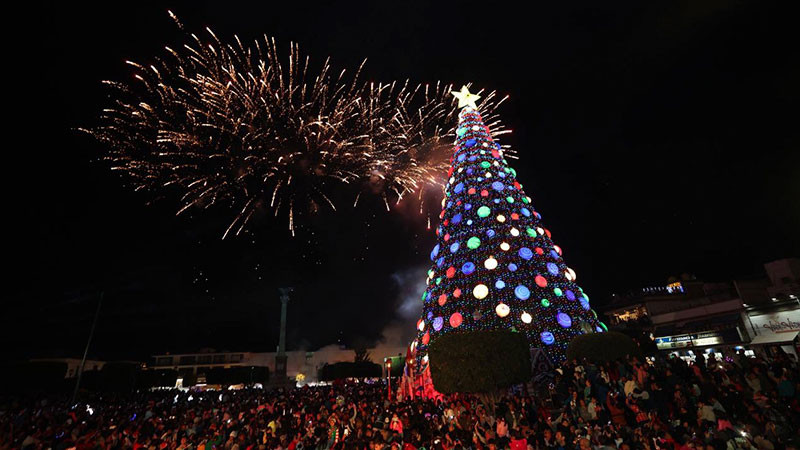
[488,175]
[501,218]
[452,180]
[504,246]
[570,274]
[460,169]
[475,128]
[540,230]
[526,317]
[480,292]
[490,263]
[514,232]
[502,310]
[421,325]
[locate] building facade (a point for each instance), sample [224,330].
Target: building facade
[303,363]
[688,316]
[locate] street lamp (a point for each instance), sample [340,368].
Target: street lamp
[389,377]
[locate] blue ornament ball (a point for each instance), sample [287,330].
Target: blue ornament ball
[434,252]
[522,292]
[468,268]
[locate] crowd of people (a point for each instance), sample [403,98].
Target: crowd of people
[665,403]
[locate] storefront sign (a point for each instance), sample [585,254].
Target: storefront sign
[689,340]
[780,322]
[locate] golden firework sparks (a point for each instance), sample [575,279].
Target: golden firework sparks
[229,124]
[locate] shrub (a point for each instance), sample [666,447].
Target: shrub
[480,362]
[602,347]
[237,375]
[341,370]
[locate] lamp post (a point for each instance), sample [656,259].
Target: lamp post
[86,350]
[389,378]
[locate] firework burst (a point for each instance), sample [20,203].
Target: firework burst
[231,125]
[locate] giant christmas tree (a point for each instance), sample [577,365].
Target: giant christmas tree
[495,265]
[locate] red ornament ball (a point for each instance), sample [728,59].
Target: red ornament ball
[442,299]
[457,293]
[451,272]
[456,320]
[540,281]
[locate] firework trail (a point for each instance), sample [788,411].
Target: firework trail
[231,125]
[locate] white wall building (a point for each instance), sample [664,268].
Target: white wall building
[299,362]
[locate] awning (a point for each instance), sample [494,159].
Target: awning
[774,338]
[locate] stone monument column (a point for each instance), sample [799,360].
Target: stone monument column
[281,358]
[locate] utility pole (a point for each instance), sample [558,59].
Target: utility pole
[86,350]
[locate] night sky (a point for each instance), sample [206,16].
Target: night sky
[654,140]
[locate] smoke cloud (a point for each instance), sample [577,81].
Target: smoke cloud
[402,329]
